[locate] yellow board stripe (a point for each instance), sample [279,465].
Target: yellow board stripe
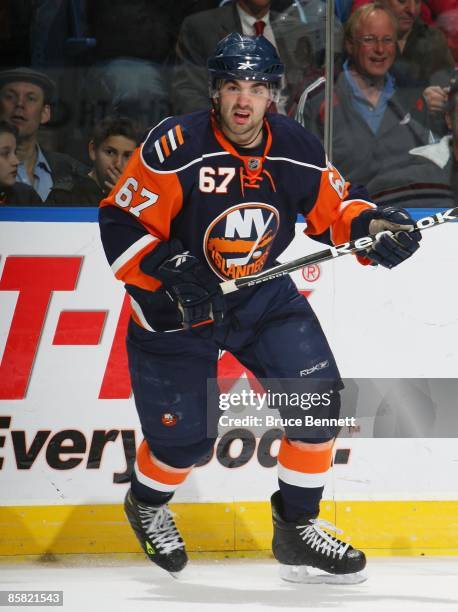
[378,527]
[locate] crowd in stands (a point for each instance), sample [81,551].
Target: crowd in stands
[81,82]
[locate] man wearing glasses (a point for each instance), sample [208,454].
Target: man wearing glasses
[375,123]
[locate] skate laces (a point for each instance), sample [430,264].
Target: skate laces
[323,542]
[160,527]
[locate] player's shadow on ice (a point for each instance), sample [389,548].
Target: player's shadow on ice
[282,595]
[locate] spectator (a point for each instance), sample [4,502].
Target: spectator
[200,33]
[422,51]
[25,102]
[110,147]
[425,10]
[184,9]
[445,153]
[447,22]
[437,7]
[432,180]
[375,124]
[422,55]
[11,192]
[423,58]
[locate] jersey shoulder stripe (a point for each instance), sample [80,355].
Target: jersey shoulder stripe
[173,142]
[169,142]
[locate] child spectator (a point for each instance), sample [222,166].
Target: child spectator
[11,192]
[113,142]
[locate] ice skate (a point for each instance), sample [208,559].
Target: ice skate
[157,533]
[303,545]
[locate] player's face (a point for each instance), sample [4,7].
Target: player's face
[23,105]
[8,160]
[242,106]
[373,48]
[111,157]
[406,12]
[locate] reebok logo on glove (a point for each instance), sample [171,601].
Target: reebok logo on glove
[180,258]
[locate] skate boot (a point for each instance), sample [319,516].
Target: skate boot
[157,533]
[305,543]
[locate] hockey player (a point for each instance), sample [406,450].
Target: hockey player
[211,196]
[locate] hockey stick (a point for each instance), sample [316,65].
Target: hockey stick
[332,253]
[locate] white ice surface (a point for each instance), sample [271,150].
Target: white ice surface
[395,584]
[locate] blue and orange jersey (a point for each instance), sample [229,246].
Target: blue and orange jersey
[235,209]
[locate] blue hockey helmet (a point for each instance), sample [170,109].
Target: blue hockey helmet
[245,58]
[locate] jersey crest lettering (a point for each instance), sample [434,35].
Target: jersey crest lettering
[239,240]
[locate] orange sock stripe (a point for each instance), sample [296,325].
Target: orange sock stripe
[306,460]
[148,466]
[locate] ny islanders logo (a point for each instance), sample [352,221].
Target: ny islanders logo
[238,242]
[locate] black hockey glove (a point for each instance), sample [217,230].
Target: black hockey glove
[188,283]
[390,250]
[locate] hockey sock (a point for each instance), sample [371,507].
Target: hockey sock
[154,481]
[148,495]
[303,468]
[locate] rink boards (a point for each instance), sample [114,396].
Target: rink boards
[68,427]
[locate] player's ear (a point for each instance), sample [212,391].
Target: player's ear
[215,103]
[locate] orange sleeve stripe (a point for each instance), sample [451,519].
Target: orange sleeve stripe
[131,274]
[150,467]
[179,134]
[305,460]
[165,146]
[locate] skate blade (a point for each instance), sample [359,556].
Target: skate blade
[181,575]
[300,575]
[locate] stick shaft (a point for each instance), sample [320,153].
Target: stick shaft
[333,252]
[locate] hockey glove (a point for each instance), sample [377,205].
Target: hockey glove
[190,285]
[389,250]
